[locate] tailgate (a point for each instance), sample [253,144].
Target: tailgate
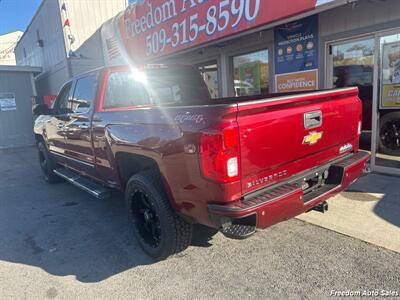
[280,137]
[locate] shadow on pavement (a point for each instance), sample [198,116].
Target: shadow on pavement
[387,207]
[202,236]
[63,230]
[386,211]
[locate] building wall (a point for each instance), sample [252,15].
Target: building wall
[16,125]
[46,26]
[364,14]
[365,18]
[86,17]
[89,55]
[7,46]
[346,21]
[50,82]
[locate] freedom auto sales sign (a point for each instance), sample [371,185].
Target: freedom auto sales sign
[154,28]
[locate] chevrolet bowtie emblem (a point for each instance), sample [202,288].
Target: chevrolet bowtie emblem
[312,138]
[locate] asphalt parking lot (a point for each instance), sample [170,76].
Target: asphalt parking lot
[58,242]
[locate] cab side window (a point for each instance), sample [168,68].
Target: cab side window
[61,103]
[123,91]
[84,94]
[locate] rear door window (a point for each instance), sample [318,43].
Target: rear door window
[84,94]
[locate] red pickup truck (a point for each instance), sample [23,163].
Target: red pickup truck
[182,158]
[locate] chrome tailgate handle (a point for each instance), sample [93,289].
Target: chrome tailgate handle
[312,119]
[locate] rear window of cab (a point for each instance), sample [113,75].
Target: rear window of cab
[155,87]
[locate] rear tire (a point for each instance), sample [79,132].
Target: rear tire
[47,164]
[389,134]
[160,231]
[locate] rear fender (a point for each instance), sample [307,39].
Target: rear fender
[156,143]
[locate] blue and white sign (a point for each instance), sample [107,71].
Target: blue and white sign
[7,102]
[296,46]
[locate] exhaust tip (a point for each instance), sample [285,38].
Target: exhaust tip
[367,169]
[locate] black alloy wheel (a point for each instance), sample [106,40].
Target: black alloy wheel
[146,219]
[43,162]
[389,134]
[47,164]
[159,230]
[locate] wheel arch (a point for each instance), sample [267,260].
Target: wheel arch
[129,164]
[38,138]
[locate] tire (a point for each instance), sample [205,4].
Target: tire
[47,164]
[389,134]
[159,230]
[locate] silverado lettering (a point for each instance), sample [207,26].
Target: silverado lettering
[267,179]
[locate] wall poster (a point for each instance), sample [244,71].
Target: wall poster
[7,102]
[390,81]
[296,56]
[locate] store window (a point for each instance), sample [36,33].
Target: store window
[353,65]
[209,72]
[388,127]
[251,73]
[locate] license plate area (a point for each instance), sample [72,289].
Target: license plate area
[320,182]
[313,182]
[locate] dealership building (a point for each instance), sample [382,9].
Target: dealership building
[257,47]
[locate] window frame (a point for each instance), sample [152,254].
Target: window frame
[120,107]
[56,107]
[92,103]
[103,87]
[102,108]
[213,61]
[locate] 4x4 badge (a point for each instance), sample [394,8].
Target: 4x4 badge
[312,138]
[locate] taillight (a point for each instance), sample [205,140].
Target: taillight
[219,151]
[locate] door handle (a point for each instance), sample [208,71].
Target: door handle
[313,119]
[83,126]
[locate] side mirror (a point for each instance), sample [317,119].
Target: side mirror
[41,109]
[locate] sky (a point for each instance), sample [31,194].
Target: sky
[16,14]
